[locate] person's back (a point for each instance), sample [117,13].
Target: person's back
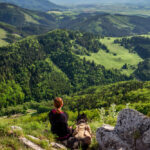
[58,120]
[72,139]
[59,124]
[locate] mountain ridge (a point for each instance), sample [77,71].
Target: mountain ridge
[39,5]
[100,1]
[104,24]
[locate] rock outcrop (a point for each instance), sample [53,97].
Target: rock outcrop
[31,145]
[132,132]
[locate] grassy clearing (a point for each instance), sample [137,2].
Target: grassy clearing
[3,34]
[31,126]
[55,12]
[38,126]
[37,129]
[145,35]
[30,19]
[116,58]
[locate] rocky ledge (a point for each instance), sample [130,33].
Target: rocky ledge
[132,132]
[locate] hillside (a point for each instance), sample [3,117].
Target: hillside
[44,5]
[118,56]
[107,24]
[20,17]
[16,23]
[136,93]
[94,101]
[9,34]
[141,46]
[35,22]
[40,67]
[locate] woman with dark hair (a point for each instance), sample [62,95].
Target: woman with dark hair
[73,139]
[58,120]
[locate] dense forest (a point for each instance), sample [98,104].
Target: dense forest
[117,93]
[133,93]
[41,67]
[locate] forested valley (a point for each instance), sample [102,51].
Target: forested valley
[98,62]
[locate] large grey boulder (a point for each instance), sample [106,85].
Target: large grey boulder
[132,132]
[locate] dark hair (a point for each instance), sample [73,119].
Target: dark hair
[82,118]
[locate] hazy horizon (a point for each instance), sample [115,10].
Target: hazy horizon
[76,2]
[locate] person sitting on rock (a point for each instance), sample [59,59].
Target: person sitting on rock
[58,120]
[71,138]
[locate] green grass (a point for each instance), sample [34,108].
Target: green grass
[38,126]
[32,124]
[116,58]
[3,34]
[55,12]
[120,22]
[30,19]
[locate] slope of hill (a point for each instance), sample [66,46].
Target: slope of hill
[9,34]
[118,57]
[107,24]
[17,16]
[40,67]
[17,22]
[33,22]
[141,46]
[136,93]
[44,5]
[94,102]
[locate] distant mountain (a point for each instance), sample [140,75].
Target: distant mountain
[34,22]
[16,20]
[40,5]
[75,2]
[107,24]
[18,16]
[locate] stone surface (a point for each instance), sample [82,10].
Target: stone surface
[132,132]
[58,146]
[33,138]
[30,144]
[16,128]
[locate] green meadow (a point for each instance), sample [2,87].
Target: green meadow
[116,57]
[3,35]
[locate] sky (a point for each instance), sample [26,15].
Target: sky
[74,2]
